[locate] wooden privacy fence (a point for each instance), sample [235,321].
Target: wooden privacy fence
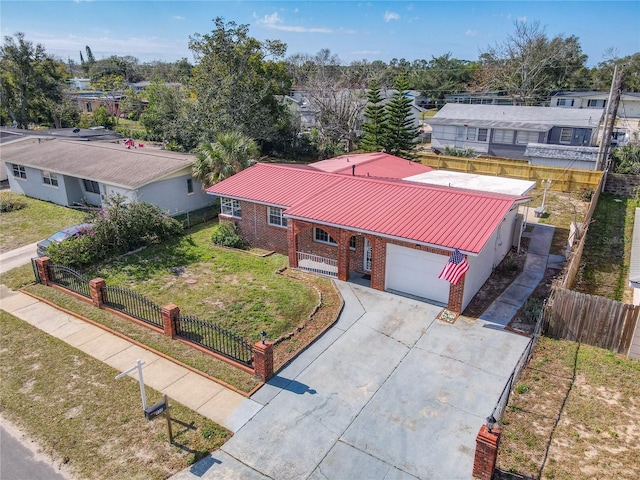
[589,319]
[568,277]
[563,179]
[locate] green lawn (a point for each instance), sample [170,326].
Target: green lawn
[35,222]
[71,404]
[606,257]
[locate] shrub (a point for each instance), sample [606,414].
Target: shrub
[459,152]
[227,234]
[11,201]
[626,159]
[586,193]
[118,228]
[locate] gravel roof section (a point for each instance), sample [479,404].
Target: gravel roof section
[110,163]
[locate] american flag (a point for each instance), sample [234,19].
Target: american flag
[455,268]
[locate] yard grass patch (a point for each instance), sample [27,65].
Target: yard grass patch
[605,261]
[37,221]
[79,414]
[598,431]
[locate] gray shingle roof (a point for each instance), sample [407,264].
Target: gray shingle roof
[515,117]
[109,163]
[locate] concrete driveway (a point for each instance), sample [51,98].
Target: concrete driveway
[387,393]
[18,257]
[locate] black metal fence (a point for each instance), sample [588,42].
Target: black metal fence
[214,338]
[69,279]
[133,304]
[501,404]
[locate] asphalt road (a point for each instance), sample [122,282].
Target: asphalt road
[19,462]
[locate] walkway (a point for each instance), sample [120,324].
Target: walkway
[504,308]
[210,399]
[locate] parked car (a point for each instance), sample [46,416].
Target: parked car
[69,232]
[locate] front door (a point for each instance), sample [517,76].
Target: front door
[367,255]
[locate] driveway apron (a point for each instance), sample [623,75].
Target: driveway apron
[388,392]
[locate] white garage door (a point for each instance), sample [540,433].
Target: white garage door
[416,272]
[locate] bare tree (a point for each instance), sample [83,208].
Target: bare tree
[528,65]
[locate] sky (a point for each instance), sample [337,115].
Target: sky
[354,30]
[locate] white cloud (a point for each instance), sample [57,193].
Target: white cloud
[178,17]
[522,19]
[388,16]
[276,23]
[471,33]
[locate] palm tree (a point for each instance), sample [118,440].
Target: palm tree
[230,153]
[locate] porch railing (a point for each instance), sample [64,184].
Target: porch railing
[317,264]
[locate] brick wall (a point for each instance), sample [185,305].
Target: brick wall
[255,229]
[624,185]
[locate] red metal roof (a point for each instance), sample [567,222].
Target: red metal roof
[274,184]
[426,214]
[375,164]
[439,216]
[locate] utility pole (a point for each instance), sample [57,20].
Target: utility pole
[611,113]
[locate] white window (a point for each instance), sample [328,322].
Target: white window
[19,172]
[503,136]
[471,134]
[565,102]
[276,217]
[565,135]
[321,236]
[91,187]
[49,178]
[231,207]
[523,137]
[482,134]
[460,134]
[595,103]
[189,186]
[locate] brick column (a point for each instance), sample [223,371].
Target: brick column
[42,264]
[263,360]
[96,287]
[292,242]
[378,262]
[343,256]
[486,453]
[169,315]
[456,294]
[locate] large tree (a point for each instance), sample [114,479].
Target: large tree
[529,65]
[400,129]
[237,82]
[230,153]
[373,128]
[30,81]
[166,116]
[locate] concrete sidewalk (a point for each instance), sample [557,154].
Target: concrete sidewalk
[210,399]
[504,308]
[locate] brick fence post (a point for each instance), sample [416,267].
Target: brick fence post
[484,462]
[42,264]
[169,316]
[263,360]
[96,288]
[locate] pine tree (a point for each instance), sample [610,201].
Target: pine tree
[374,127]
[400,130]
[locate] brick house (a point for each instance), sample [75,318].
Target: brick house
[354,215]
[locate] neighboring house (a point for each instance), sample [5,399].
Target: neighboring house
[629,106]
[505,131]
[341,218]
[88,102]
[71,173]
[484,98]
